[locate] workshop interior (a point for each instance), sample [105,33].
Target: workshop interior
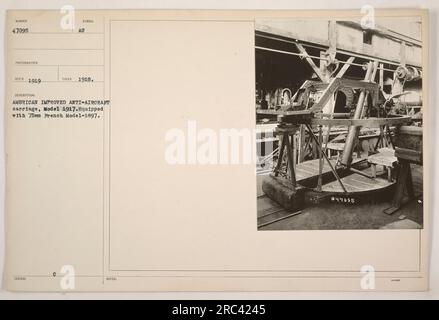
[339,124]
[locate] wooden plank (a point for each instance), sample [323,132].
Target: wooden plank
[310,169]
[336,146]
[367,181]
[359,84]
[356,183]
[384,157]
[306,172]
[382,160]
[300,175]
[369,122]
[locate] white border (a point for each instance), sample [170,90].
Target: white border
[432,5]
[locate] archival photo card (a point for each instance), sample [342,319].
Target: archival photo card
[155,150]
[339,115]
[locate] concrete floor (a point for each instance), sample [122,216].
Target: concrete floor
[333,216]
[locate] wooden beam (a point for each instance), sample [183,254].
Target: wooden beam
[290,161]
[311,62]
[302,143]
[326,95]
[281,155]
[381,81]
[402,54]
[374,71]
[337,83]
[345,67]
[332,36]
[323,67]
[361,122]
[389,61]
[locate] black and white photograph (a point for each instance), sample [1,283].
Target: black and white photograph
[339,124]
[251,151]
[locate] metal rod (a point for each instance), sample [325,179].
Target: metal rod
[270,213]
[361,173]
[290,53]
[268,156]
[327,160]
[279,219]
[362,65]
